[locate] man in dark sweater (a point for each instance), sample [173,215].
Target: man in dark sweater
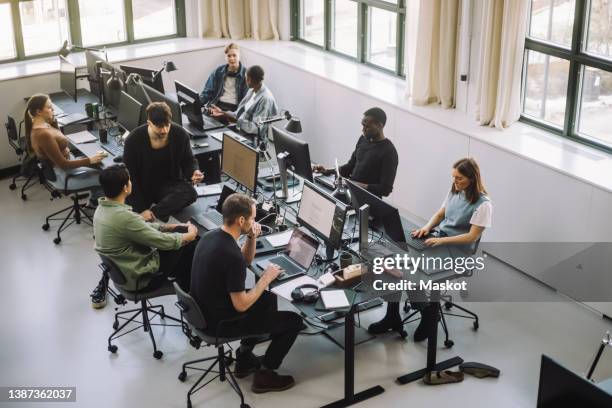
[373,164]
[218,286]
[161,164]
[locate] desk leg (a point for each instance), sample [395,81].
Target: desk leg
[432,345]
[350,397]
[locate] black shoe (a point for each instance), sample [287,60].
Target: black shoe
[386,324]
[246,363]
[98,296]
[268,380]
[421,333]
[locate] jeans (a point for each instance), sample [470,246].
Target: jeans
[169,198]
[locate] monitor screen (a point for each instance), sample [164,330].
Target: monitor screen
[129,112]
[68,78]
[322,214]
[239,162]
[298,155]
[148,76]
[302,248]
[189,101]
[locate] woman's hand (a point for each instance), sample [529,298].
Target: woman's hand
[98,157]
[420,233]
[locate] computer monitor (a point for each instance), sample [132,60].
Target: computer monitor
[189,101]
[560,387]
[68,78]
[296,152]
[92,58]
[322,214]
[111,96]
[148,76]
[384,215]
[130,111]
[136,92]
[240,162]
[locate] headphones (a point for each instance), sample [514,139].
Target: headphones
[310,297]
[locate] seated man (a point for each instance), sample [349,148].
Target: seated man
[161,164]
[146,253]
[258,104]
[226,86]
[373,164]
[218,286]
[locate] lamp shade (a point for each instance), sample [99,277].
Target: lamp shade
[115,83]
[169,66]
[294,125]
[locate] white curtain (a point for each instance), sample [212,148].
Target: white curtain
[239,19]
[502,39]
[435,64]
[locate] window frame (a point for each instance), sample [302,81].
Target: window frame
[578,59]
[74,23]
[362,27]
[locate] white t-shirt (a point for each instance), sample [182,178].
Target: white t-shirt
[482,216]
[229,91]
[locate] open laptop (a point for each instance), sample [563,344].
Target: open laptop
[297,258]
[212,218]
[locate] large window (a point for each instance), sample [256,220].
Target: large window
[33,28]
[369,31]
[567,74]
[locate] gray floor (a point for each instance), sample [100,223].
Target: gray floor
[51,336]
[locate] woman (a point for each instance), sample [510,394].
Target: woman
[258,104]
[44,139]
[226,86]
[464,215]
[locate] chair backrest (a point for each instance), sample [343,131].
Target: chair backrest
[13,135]
[113,270]
[189,308]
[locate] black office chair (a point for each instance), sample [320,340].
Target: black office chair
[197,330]
[29,171]
[138,296]
[444,306]
[74,213]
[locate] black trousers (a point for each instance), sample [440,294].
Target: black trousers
[264,318]
[166,199]
[175,264]
[226,106]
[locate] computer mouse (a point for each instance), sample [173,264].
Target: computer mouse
[118,159]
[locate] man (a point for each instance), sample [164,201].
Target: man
[161,164]
[146,253]
[218,286]
[226,86]
[373,164]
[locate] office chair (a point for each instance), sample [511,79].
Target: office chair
[443,307]
[196,329]
[29,171]
[138,296]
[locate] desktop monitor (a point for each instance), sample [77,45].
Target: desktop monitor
[136,92]
[189,101]
[129,113]
[322,214]
[240,162]
[383,214]
[560,387]
[68,78]
[297,153]
[148,76]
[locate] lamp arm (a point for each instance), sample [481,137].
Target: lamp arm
[135,78]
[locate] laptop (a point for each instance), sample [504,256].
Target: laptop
[297,258]
[212,218]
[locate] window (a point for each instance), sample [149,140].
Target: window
[369,31]
[567,74]
[34,28]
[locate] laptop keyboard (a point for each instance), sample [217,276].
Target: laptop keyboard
[285,264]
[112,147]
[416,243]
[327,181]
[215,216]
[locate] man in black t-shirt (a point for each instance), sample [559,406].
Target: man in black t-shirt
[161,164]
[373,164]
[218,286]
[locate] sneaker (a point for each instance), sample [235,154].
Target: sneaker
[246,363]
[266,380]
[386,324]
[98,296]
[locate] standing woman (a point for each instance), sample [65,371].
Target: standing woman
[226,86]
[45,140]
[461,220]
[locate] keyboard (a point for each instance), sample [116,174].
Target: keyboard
[210,220]
[286,265]
[416,243]
[210,123]
[327,181]
[112,147]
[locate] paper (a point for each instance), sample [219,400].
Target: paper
[208,190]
[81,137]
[334,299]
[281,239]
[285,289]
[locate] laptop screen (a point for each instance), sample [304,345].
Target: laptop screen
[302,248]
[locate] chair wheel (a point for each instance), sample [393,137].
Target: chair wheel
[24,197]
[182,376]
[403,333]
[158,354]
[115,325]
[57,240]
[475,326]
[120,300]
[245,406]
[45,227]
[449,343]
[112,348]
[448,306]
[13,186]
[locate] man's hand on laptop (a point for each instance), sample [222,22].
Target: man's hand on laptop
[255,231]
[271,273]
[148,215]
[197,177]
[215,111]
